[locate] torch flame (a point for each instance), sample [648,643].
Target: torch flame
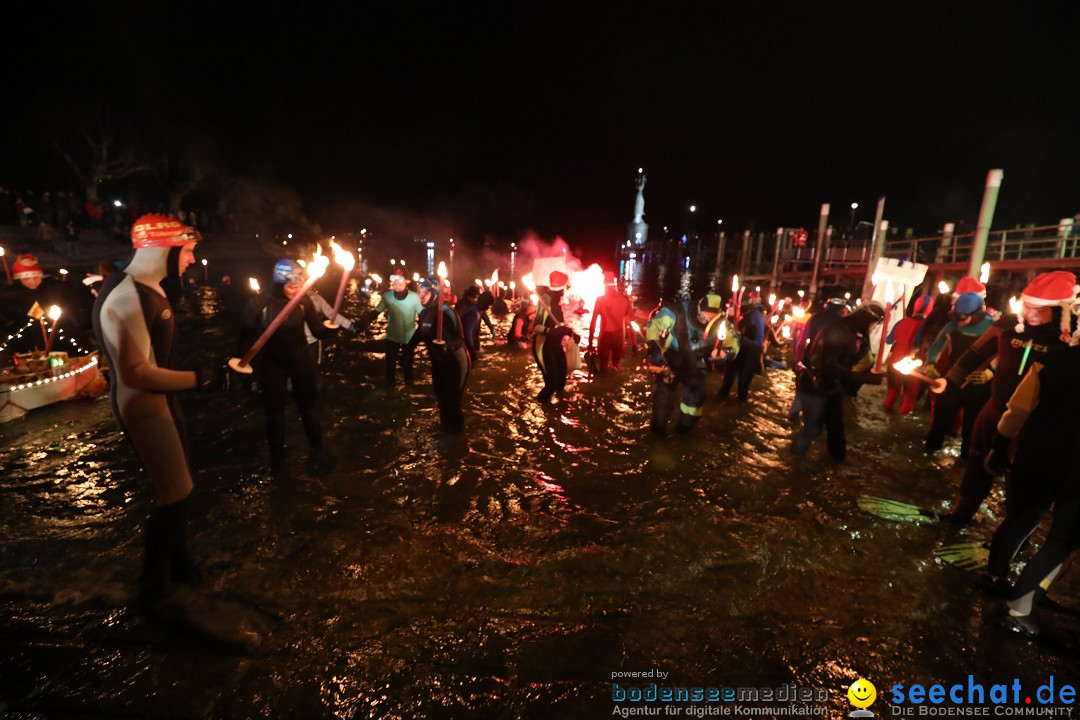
[906,365]
[888,292]
[54,312]
[442,270]
[984,273]
[1016,305]
[943,288]
[535,298]
[513,285]
[319,263]
[772,299]
[528,282]
[254,284]
[343,257]
[774,319]
[721,332]
[798,312]
[785,332]
[735,283]
[478,282]
[376,278]
[634,325]
[416,277]
[780,306]
[1,252]
[588,284]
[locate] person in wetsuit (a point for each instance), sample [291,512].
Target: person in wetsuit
[679,338]
[613,311]
[835,308]
[1044,326]
[549,330]
[751,345]
[449,357]
[472,309]
[969,320]
[402,306]
[285,358]
[902,346]
[828,372]
[134,323]
[1045,471]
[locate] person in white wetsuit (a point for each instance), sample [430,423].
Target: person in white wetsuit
[134,324]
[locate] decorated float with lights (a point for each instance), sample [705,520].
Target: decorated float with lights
[36,379]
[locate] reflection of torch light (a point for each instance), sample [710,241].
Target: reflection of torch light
[984,273]
[54,315]
[254,284]
[438,323]
[943,288]
[884,325]
[345,259]
[315,271]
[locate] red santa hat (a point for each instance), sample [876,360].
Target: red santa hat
[26,266]
[155,230]
[558,280]
[970,284]
[1052,289]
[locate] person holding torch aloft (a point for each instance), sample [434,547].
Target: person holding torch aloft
[285,358]
[441,332]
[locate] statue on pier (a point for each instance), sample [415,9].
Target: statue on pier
[638,232]
[639,203]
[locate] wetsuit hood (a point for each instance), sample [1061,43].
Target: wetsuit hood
[151,264]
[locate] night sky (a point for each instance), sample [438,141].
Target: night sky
[489,120]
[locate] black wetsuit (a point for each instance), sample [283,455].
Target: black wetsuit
[549,329]
[970,398]
[449,362]
[747,363]
[284,358]
[1045,471]
[1008,347]
[676,341]
[824,382]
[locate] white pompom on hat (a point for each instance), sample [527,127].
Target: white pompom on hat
[1052,289]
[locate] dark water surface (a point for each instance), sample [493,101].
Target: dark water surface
[503,574]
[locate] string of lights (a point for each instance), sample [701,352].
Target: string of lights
[59,332]
[45,381]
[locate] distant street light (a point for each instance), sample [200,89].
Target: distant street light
[854,207]
[693,208]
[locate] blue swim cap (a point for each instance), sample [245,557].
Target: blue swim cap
[968,303]
[431,284]
[288,271]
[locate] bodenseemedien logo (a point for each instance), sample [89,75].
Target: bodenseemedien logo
[862,695]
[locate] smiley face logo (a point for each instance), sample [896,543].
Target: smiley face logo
[862,693]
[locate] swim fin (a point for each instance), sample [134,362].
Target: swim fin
[966,556]
[895,510]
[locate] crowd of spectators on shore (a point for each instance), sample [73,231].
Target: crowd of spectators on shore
[49,218]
